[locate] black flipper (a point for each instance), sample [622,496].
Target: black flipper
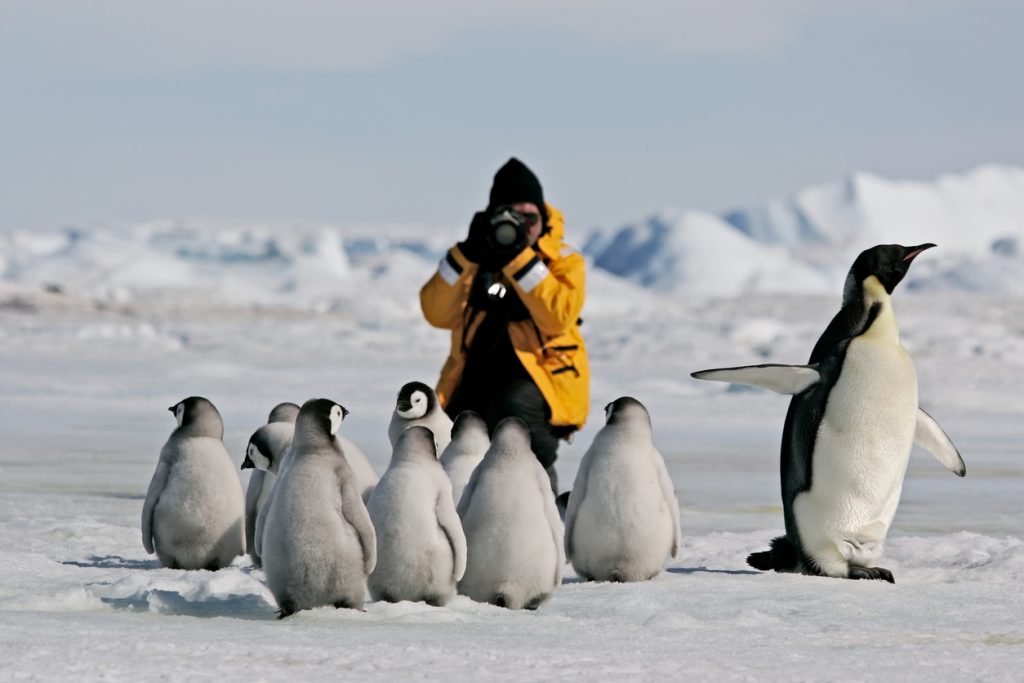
[562,503]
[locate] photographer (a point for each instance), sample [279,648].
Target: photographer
[511,293]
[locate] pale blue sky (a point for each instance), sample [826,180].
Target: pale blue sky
[393,111]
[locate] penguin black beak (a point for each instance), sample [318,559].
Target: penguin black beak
[247,464]
[914,251]
[171,409]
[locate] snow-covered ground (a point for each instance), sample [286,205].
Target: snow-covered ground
[101,329]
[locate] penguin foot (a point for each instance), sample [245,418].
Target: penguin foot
[871,573]
[761,560]
[782,557]
[535,602]
[287,609]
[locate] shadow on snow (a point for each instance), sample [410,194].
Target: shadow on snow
[705,570]
[113,562]
[172,603]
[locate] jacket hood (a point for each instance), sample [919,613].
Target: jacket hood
[551,241]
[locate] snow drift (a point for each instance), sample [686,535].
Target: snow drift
[802,244]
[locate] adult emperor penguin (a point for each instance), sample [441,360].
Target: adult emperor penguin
[194,514]
[513,532]
[318,544]
[417,404]
[852,421]
[622,520]
[264,454]
[421,548]
[466,450]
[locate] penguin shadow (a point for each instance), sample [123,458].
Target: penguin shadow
[172,603]
[123,496]
[705,570]
[569,580]
[113,562]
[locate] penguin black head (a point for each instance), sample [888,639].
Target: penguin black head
[888,263]
[284,412]
[259,453]
[268,446]
[415,400]
[255,456]
[320,415]
[467,420]
[197,416]
[625,409]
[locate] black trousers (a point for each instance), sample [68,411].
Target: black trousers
[513,397]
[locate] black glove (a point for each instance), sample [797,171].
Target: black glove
[476,243]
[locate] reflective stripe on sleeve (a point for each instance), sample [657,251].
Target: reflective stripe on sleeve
[532,274]
[449,269]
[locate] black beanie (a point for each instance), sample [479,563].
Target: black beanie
[515,183]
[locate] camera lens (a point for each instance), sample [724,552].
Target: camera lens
[505,234]
[508,227]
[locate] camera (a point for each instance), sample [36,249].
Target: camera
[508,227]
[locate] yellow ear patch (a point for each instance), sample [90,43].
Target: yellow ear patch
[874,290]
[884,326]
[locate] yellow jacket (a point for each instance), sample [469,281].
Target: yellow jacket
[549,278]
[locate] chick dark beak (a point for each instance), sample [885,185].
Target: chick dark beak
[247,464]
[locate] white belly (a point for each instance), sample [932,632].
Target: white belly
[860,458]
